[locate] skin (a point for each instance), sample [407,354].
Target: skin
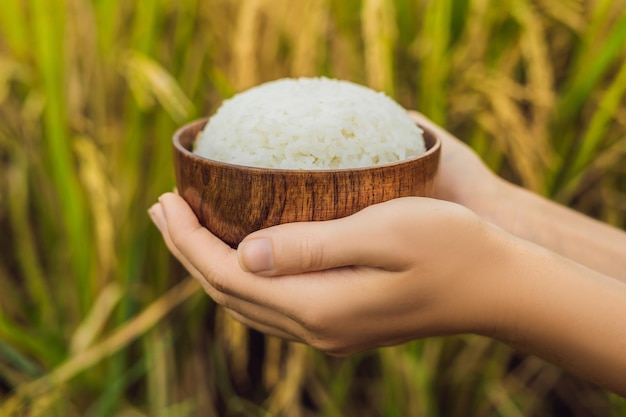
[491,262]
[464,179]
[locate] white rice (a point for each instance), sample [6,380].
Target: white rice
[310,123]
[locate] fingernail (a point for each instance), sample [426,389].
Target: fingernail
[256,255]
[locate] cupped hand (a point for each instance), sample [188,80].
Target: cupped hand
[463,177]
[396,271]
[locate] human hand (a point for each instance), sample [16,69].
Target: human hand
[401,270]
[463,177]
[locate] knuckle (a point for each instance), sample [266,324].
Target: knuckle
[312,321]
[181,237]
[311,252]
[217,296]
[215,280]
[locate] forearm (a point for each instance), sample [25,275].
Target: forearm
[567,314]
[558,228]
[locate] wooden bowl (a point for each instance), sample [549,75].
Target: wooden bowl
[233,201]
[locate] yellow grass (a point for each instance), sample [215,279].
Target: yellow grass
[97,319]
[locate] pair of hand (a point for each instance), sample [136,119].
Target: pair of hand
[396,271]
[484,257]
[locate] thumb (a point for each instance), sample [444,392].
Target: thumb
[363,239]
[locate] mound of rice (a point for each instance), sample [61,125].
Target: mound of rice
[310,123]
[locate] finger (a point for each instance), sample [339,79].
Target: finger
[262,317]
[158,217]
[156,212]
[263,328]
[204,252]
[373,237]
[215,261]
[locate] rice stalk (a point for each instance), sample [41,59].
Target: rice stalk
[599,14]
[345,47]
[80,65]
[130,331]
[344,57]
[181,409]
[392,384]
[152,84]
[434,63]
[272,362]
[540,83]
[14,28]
[285,398]
[23,367]
[503,404]
[532,373]
[608,104]
[245,65]
[408,378]
[48,27]
[10,298]
[186,27]
[472,45]
[274,38]
[475,348]
[277,37]
[198,378]
[191,51]
[213,42]
[106,402]
[507,125]
[112,140]
[236,342]
[108,15]
[94,323]
[467,373]
[592,66]
[619,404]
[223,85]
[159,372]
[333,383]
[103,200]
[615,204]
[133,161]
[306,37]
[421,368]
[570,13]
[25,242]
[29,344]
[379,36]
[146,21]
[144,73]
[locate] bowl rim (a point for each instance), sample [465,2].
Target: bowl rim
[189,154]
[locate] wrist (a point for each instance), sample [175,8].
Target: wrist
[501,274]
[498,202]
[483,295]
[562,312]
[512,285]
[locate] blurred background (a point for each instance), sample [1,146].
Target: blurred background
[96,319]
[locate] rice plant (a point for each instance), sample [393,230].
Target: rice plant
[96,319]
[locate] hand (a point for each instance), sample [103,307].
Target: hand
[463,178]
[396,271]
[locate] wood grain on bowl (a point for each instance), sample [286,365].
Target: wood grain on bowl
[233,201]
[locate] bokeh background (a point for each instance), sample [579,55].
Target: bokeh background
[96,319]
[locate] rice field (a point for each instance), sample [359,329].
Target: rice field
[96,319]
